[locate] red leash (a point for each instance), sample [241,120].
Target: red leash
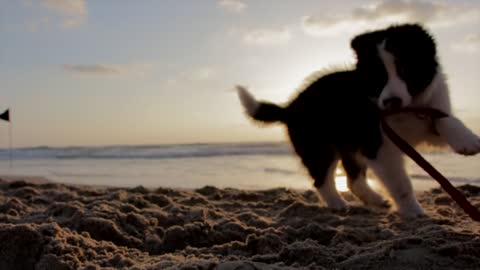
[459,198]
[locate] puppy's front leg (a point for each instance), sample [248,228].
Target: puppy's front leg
[389,168]
[458,136]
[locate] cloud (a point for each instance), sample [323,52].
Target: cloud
[43,14]
[136,69]
[470,44]
[265,37]
[329,26]
[74,12]
[202,74]
[389,11]
[95,69]
[232,5]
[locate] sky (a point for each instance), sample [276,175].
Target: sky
[78,72]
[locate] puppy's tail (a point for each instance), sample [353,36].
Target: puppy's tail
[261,111]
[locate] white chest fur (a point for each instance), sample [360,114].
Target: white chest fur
[416,129]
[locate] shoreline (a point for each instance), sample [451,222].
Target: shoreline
[420,184]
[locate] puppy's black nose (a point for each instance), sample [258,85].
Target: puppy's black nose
[392,103]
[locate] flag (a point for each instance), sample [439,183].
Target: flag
[6,115]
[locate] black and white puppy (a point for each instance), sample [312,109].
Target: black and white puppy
[336,116]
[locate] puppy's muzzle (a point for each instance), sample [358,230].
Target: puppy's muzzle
[392,103]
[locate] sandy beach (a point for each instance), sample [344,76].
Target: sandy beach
[56,226]
[166,135]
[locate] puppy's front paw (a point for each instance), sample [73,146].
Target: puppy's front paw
[411,213]
[410,208]
[460,138]
[467,143]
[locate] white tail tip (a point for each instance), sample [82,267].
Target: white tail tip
[248,101]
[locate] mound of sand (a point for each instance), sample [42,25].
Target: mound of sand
[55,226]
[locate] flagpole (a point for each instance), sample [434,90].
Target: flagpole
[6,116]
[10,144]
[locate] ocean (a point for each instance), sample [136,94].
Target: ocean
[243,165]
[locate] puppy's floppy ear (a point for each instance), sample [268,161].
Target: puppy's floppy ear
[367,42]
[413,37]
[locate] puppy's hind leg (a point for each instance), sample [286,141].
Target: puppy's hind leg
[357,182]
[321,166]
[326,186]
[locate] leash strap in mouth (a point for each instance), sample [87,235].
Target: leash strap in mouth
[459,198]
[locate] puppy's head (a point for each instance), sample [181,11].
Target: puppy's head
[395,64]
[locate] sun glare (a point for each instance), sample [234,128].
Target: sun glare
[341,181]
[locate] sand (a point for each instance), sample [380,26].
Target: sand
[55,226]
